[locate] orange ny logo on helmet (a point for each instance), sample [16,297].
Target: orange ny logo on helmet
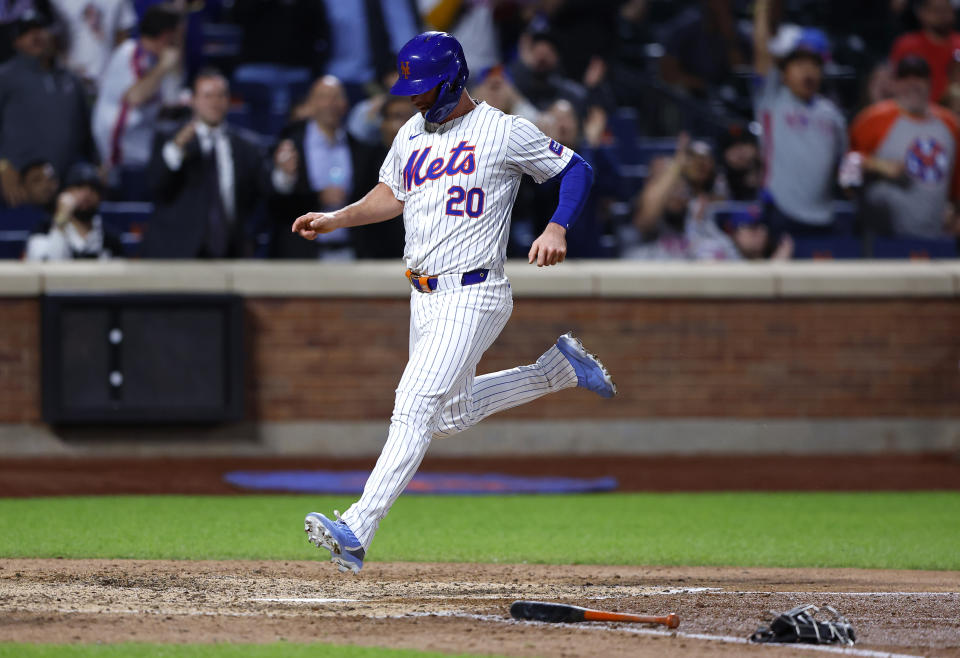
[405,69]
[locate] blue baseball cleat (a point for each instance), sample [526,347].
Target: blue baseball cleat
[591,374]
[335,536]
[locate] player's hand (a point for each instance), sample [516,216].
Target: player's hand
[312,224]
[551,247]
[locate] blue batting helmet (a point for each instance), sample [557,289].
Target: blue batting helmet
[428,60]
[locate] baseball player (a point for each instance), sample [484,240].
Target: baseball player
[453,171]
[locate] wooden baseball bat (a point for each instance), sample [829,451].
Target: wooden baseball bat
[562,613]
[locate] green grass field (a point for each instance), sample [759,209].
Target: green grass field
[881,530]
[275,650]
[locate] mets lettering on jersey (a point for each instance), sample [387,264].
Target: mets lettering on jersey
[458,185]
[413,171]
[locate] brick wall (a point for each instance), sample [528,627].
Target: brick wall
[336,359]
[19,360]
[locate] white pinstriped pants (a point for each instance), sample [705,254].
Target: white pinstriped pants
[439,394]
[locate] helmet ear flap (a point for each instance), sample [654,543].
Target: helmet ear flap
[446,101]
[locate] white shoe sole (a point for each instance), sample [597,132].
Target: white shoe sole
[319,536]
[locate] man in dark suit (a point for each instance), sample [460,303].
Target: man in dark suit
[315,168]
[206,180]
[384,239]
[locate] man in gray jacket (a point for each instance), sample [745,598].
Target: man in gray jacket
[43,109]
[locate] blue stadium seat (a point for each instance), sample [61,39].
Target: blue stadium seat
[129,183]
[130,220]
[840,248]
[16,224]
[914,248]
[623,126]
[844,217]
[240,116]
[221,45]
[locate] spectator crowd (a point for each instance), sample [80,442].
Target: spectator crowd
[718,129]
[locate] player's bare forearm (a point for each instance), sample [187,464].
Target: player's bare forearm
[378,205]
[550,248]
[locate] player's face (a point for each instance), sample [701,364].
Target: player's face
[423,102]
[802,76]
[211,100]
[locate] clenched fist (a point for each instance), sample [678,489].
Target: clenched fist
[551,247]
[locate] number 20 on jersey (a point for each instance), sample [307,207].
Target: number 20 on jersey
[461,200]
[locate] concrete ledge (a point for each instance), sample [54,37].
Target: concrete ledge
[704,436]
[571,279]
[135,276]
[953,267]
[630,279]
[864,279]
[19,280]
[318,279]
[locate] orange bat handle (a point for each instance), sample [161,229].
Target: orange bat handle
[670,621]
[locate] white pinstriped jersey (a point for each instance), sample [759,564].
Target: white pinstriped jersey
[458,185]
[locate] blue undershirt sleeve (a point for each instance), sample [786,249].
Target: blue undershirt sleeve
[576,179]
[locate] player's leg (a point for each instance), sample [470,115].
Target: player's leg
[483,396]
[457,331]
[565,365]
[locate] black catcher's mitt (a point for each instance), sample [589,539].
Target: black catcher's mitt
[799,625]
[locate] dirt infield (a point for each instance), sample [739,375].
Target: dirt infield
[462,607]
[51,476]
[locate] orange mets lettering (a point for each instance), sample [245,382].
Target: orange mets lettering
[405,69]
